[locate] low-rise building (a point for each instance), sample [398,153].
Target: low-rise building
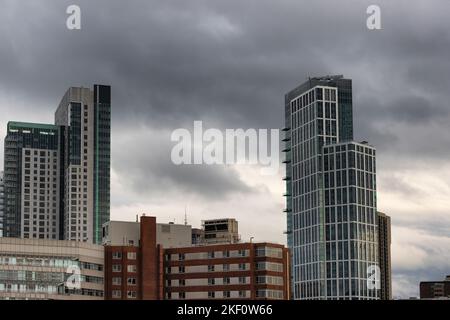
[50,269]
[435,289]
[149,270]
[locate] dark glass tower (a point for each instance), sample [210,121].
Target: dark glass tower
[330,193]
[102,158]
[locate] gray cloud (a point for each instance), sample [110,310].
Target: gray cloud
[229,63]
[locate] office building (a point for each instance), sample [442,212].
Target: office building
[2,209]
[330,193]
[220,231]
[84,117]
[148,270]
[384,252]
[435,289]
[31,184]
[38,269]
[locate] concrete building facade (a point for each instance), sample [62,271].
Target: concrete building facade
[31,181]
[38,269]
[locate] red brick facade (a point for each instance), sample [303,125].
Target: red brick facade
[145,272]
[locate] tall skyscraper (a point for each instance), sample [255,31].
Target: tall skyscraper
[57,177]
[2,209]
[84,116]
[31,183]
[330,193]
[384,248]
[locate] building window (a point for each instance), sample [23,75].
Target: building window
[226,254]
[182,295]
[227,294]
[182,282]
[117,255]
[131,255]
[211,294]
[211,255]
[131,294]
[226,267]
[211,268]
[242,266]
[117,281]
[242,280]
[181,269]
[181,257]
[242,253]
[226,280]
[117,294]
[117,268]
[131,268]
[211,281]
[242,294]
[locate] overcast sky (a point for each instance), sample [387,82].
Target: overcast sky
[229,63]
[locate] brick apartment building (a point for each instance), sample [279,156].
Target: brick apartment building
[146,270]
[435,289]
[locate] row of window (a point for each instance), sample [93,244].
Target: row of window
[117,255]
[211,268]
[118,268]
[211,294]
[212,254]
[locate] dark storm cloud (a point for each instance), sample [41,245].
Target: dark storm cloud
[150,171]
[230,63]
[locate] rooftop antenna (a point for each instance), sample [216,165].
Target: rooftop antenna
[185,216]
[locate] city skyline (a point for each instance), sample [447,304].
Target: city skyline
[230,70]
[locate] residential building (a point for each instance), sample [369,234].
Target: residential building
[384,252]
[134,271]
[84,116]
[435,289]
[38,269]
[149,270]
[330,193]
[31,183]
[220,231]
[57,177]
[2,208]
[227,271]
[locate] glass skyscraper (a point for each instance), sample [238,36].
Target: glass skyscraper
[330,193]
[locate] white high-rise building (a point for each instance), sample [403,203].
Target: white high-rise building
[84,118]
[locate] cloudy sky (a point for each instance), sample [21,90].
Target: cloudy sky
[229,63]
